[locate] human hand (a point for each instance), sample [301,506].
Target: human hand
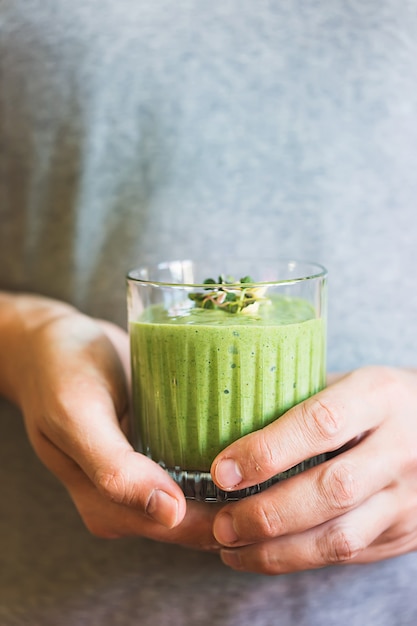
[358,507]
[71,382]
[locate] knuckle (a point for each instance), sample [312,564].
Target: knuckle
[267,560]
[262,457]
[267,521]
[339,486]
[380,377]
[113,485]
[340,544]
[322,419]
[383,379]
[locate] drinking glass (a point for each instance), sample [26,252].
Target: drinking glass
[216,356]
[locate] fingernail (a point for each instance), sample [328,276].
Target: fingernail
[162,508]
[224,530]
[228,474]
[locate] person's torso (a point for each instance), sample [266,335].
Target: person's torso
[136,131]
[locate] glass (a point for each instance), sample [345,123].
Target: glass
[213,361]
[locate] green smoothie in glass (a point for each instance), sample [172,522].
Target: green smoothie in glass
[224,361]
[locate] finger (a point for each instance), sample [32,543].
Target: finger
[109,520]
[325,422]
[341,540]
[310,498]
[112,520]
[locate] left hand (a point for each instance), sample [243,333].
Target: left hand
[358,507]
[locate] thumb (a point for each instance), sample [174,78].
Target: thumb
[82,423]
[96,443]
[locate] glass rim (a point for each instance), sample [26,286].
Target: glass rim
[318,271]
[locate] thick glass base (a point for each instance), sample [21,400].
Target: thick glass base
[199,485]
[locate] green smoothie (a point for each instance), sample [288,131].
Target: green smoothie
[204,378]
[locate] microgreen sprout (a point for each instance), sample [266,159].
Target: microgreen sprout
[228,295]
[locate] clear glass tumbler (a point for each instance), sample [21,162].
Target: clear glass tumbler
[216,356]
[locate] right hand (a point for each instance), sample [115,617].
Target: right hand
[70,379]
